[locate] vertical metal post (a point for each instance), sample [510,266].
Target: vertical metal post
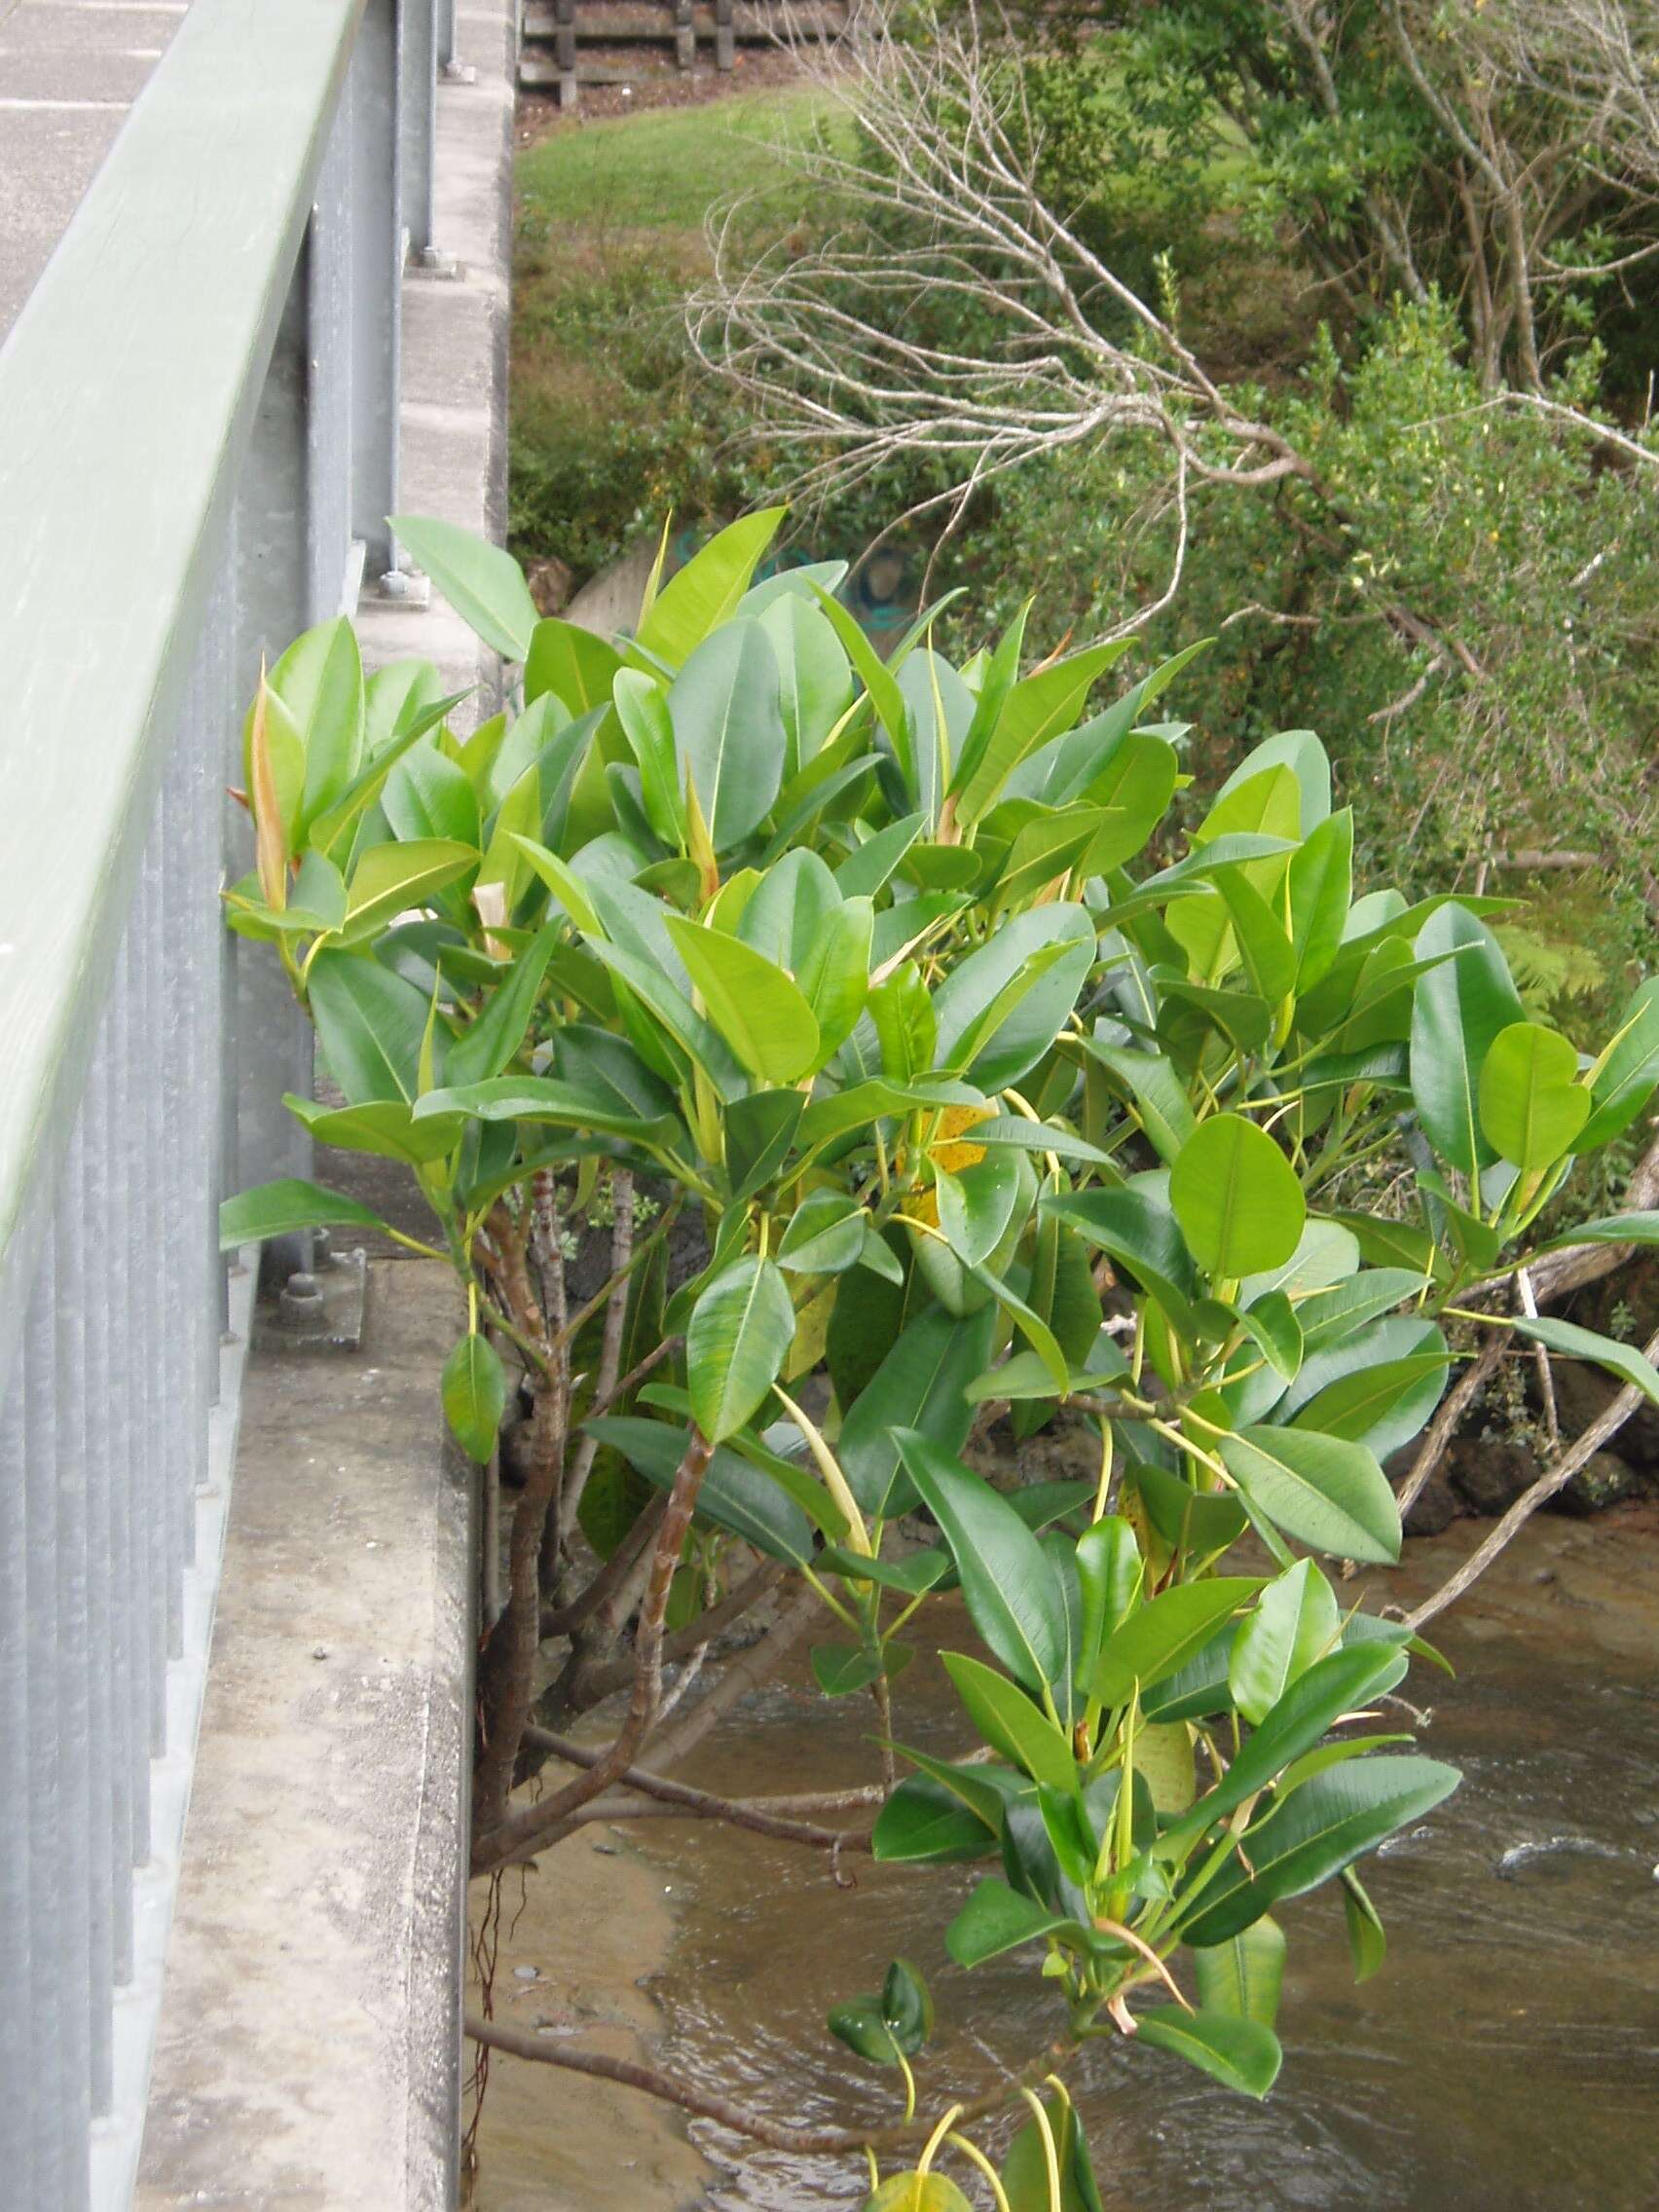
[564,52]
[148,1325]
[684,36]
[16,2017]
[273,603]
[47,2073]
[75,1659]
[449,56]
[724,50]
[378,256]
[334,578]
[109,1890]
[418,101]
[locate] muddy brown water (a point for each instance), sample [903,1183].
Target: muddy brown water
[1507,2057]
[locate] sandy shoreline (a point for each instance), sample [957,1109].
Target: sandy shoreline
[594,1923]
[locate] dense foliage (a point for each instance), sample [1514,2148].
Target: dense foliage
[865,965]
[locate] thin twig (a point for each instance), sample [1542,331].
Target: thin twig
[673,2089]
[678,1797]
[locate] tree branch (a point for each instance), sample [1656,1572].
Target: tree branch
[824,2142]
[1607,1423]
[520,1834]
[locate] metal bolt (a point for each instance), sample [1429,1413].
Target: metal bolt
[301,1299]
[456,72]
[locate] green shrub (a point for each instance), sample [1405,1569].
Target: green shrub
[867,964]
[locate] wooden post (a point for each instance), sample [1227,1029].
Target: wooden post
[684,36]
[564,52]
[724,55]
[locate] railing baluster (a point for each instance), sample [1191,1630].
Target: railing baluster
[46,2076]
[131,1499]
[74,1747]
[376,279]
[417,103]
[108,1821]
[17,2024]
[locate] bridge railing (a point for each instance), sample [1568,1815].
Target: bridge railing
[199,413]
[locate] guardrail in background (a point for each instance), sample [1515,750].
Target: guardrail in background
[200,405]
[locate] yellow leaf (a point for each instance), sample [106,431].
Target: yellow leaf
[270,840]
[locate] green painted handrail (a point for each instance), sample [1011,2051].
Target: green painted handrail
[128,388]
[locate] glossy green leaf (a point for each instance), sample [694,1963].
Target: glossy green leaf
[1321,891]
[1166,1632]
[427,796]
[1110,1572]
[754,1005]
[840,1669]
[1340,1683]
[859,2024]
[976,1206]
[923,1823]
[815,685]
[474,1392]
[369,1025]
[919,1385]
[1368,1946]
[1138,1231]
[1624,1361]
[1332,1317]
[278,1209]
[320,680]
[1532,1102]
[1457,1009]
[735,1493]
[997,1012]
[545,1098]
[1314,1832]
[1026,2170]
[760,1130]
[641,709]
[577,666]
[1243,1976]
[1237,1197]
[1045,702]
[384,1127]
[997,1919]
[483,585]
[1272,1325]
[1241,2054]
[727,731]
[485,1048]
[826,1234]
[1611,1229]
[739,1335]
[390,879]
[1292,1624]
[1384,1404]
[706,592]
[1010,1723]
[1157,1093]
[1012,1593]
[1322,1490]
[1625,1071]
[834,972]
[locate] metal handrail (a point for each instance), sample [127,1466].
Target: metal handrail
[197,451]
